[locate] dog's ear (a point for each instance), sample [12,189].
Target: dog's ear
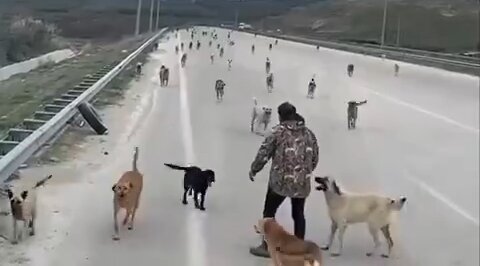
[9,193]
[336,189]
[24,194]
[114,187]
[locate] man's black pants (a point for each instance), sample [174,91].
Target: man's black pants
[273,201]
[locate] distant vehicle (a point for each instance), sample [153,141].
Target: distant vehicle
[244,26]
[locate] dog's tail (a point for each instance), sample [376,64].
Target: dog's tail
[176,167]
[255,101]
[135,159]
[42,182]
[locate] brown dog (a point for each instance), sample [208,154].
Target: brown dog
[286,249]
[127,195]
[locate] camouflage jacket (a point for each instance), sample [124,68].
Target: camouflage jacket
[294,152]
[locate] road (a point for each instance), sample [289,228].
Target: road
[417,137]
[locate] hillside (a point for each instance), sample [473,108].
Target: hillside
[439,25]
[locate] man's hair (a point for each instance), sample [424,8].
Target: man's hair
[286,111]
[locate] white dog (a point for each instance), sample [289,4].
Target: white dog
[24,208]
[345,209]
[260,115]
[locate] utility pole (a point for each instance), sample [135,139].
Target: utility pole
[150,25]
[384,23]
[398,31]
[236,18]
[137,25]
[158,15]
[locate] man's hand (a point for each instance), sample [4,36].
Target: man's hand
[251,175]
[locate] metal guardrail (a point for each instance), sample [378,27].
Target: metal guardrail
[18,155]
[425,56]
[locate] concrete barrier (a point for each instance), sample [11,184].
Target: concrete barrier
[28,65]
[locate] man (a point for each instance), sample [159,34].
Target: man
[294,152]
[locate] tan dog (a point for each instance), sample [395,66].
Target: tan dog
[345,209]
[286,249]
[127,195]
[24,208]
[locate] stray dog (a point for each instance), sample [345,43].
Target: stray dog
[345,209]
[164,73]
[24,208]
[196,180]
[219,89]
[352,113]
[260,115]
[126,195]
[350,69]
[311,88]
[270,82]
[286,249]
[183,60]
[267,65]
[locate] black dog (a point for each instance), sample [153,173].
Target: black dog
[197,180]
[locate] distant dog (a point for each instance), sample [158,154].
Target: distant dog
[126,195]
[345,209]
[196,180]
[311,89]
[350,69]
[352,113]
[219,89]
[267,65]
[183,60]
[24,208]
[286,249]
[270,82]
[260,115]
[164,73]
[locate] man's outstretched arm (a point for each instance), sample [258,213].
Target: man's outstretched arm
[264,154]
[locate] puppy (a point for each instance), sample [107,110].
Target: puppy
[260,115]
[345,209]
[24,208]
[126,195]
[286,249]
[197,180]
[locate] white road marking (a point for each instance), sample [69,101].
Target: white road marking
[439,196]
[424,111]
[195,224]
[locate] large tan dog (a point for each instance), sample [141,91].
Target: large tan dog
[286,249]
[127,195]
[345,209]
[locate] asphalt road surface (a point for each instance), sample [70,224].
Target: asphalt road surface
[416,137]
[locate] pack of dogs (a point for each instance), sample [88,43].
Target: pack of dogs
[285,249]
